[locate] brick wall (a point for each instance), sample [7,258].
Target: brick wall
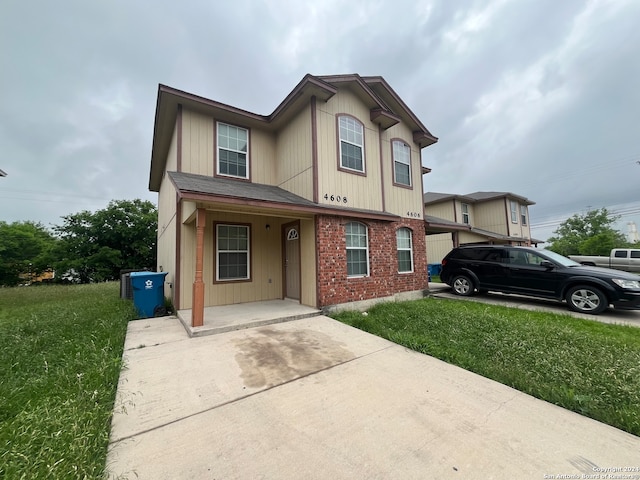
[334,287]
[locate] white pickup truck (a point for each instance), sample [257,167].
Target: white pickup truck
[627,259]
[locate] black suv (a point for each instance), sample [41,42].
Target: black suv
[539,273]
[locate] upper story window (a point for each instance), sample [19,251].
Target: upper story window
[523,214]
[233,151]
[465,213]
[357,249]
[401,163]
[405,250]
[351,143]
[514,212]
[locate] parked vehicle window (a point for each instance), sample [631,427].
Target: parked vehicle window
[495,256]
[620,254]
[233,151]
[472,254]
[351,143]
[357,249]
[635,253]
[405,250]
[401,163]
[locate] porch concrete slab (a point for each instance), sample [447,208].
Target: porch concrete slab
[314,398]
[226,318]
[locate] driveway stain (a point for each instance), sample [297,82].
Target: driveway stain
[271,357]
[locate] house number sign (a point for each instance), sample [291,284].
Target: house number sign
[335,198]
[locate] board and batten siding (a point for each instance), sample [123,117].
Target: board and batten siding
[491,215]
[406,202]
[294,151]
[444,210]
[166,242]
[438,246]
[360,191]
[308,290]
[199,148]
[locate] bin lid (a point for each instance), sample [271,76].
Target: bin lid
[147,274]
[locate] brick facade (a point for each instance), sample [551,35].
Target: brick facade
[334,287]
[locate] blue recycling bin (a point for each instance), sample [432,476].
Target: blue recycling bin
[148,293]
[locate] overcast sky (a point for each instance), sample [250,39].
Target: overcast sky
[540,98]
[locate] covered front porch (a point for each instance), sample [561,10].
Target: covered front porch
[226,318]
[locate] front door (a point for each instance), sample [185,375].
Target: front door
[292,260]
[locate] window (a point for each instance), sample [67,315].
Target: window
[465,213]
[351,144]
[405,250]
[523,214]
[232,252]
[620,254]
[357,250]
[233,149]
[514,212]
[401,163]
[635,253]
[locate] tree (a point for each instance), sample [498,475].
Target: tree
[96,246]
[25,250]
[588,234]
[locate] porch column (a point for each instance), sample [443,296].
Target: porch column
[197,308]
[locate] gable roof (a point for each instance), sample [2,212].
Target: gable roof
[435,225]
[386,109]
[476,197]
[224,190]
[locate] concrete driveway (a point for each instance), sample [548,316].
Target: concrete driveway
[315,398]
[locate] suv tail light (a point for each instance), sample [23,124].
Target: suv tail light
[444,261]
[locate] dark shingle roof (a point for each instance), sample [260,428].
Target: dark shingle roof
[270,194]
[189,182]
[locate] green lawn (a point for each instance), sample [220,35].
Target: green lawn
[589,367]
[60,358]
[61,349]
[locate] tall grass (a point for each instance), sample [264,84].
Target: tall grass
[583,365]
[60,358]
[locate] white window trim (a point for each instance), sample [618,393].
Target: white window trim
[465,215]
[366,248]
[340,140]
[247,251]
[404,249]
[514,211]
[523,214]
[395,160]
[246,154]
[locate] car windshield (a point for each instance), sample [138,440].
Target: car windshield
[556,257]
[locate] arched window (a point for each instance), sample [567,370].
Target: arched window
[401,163]
[351,143]
[405,250]
[357,249]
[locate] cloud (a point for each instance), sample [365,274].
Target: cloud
[534,97]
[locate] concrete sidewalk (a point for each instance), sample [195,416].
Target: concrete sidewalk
[314,398]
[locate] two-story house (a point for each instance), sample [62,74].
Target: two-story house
[319,202]
[481,217]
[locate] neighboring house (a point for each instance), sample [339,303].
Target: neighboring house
[319,202]
[480,217]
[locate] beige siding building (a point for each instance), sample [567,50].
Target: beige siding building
[480,217]
[319,202]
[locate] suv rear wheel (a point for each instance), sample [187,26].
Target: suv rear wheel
[462,285]
[586,299]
